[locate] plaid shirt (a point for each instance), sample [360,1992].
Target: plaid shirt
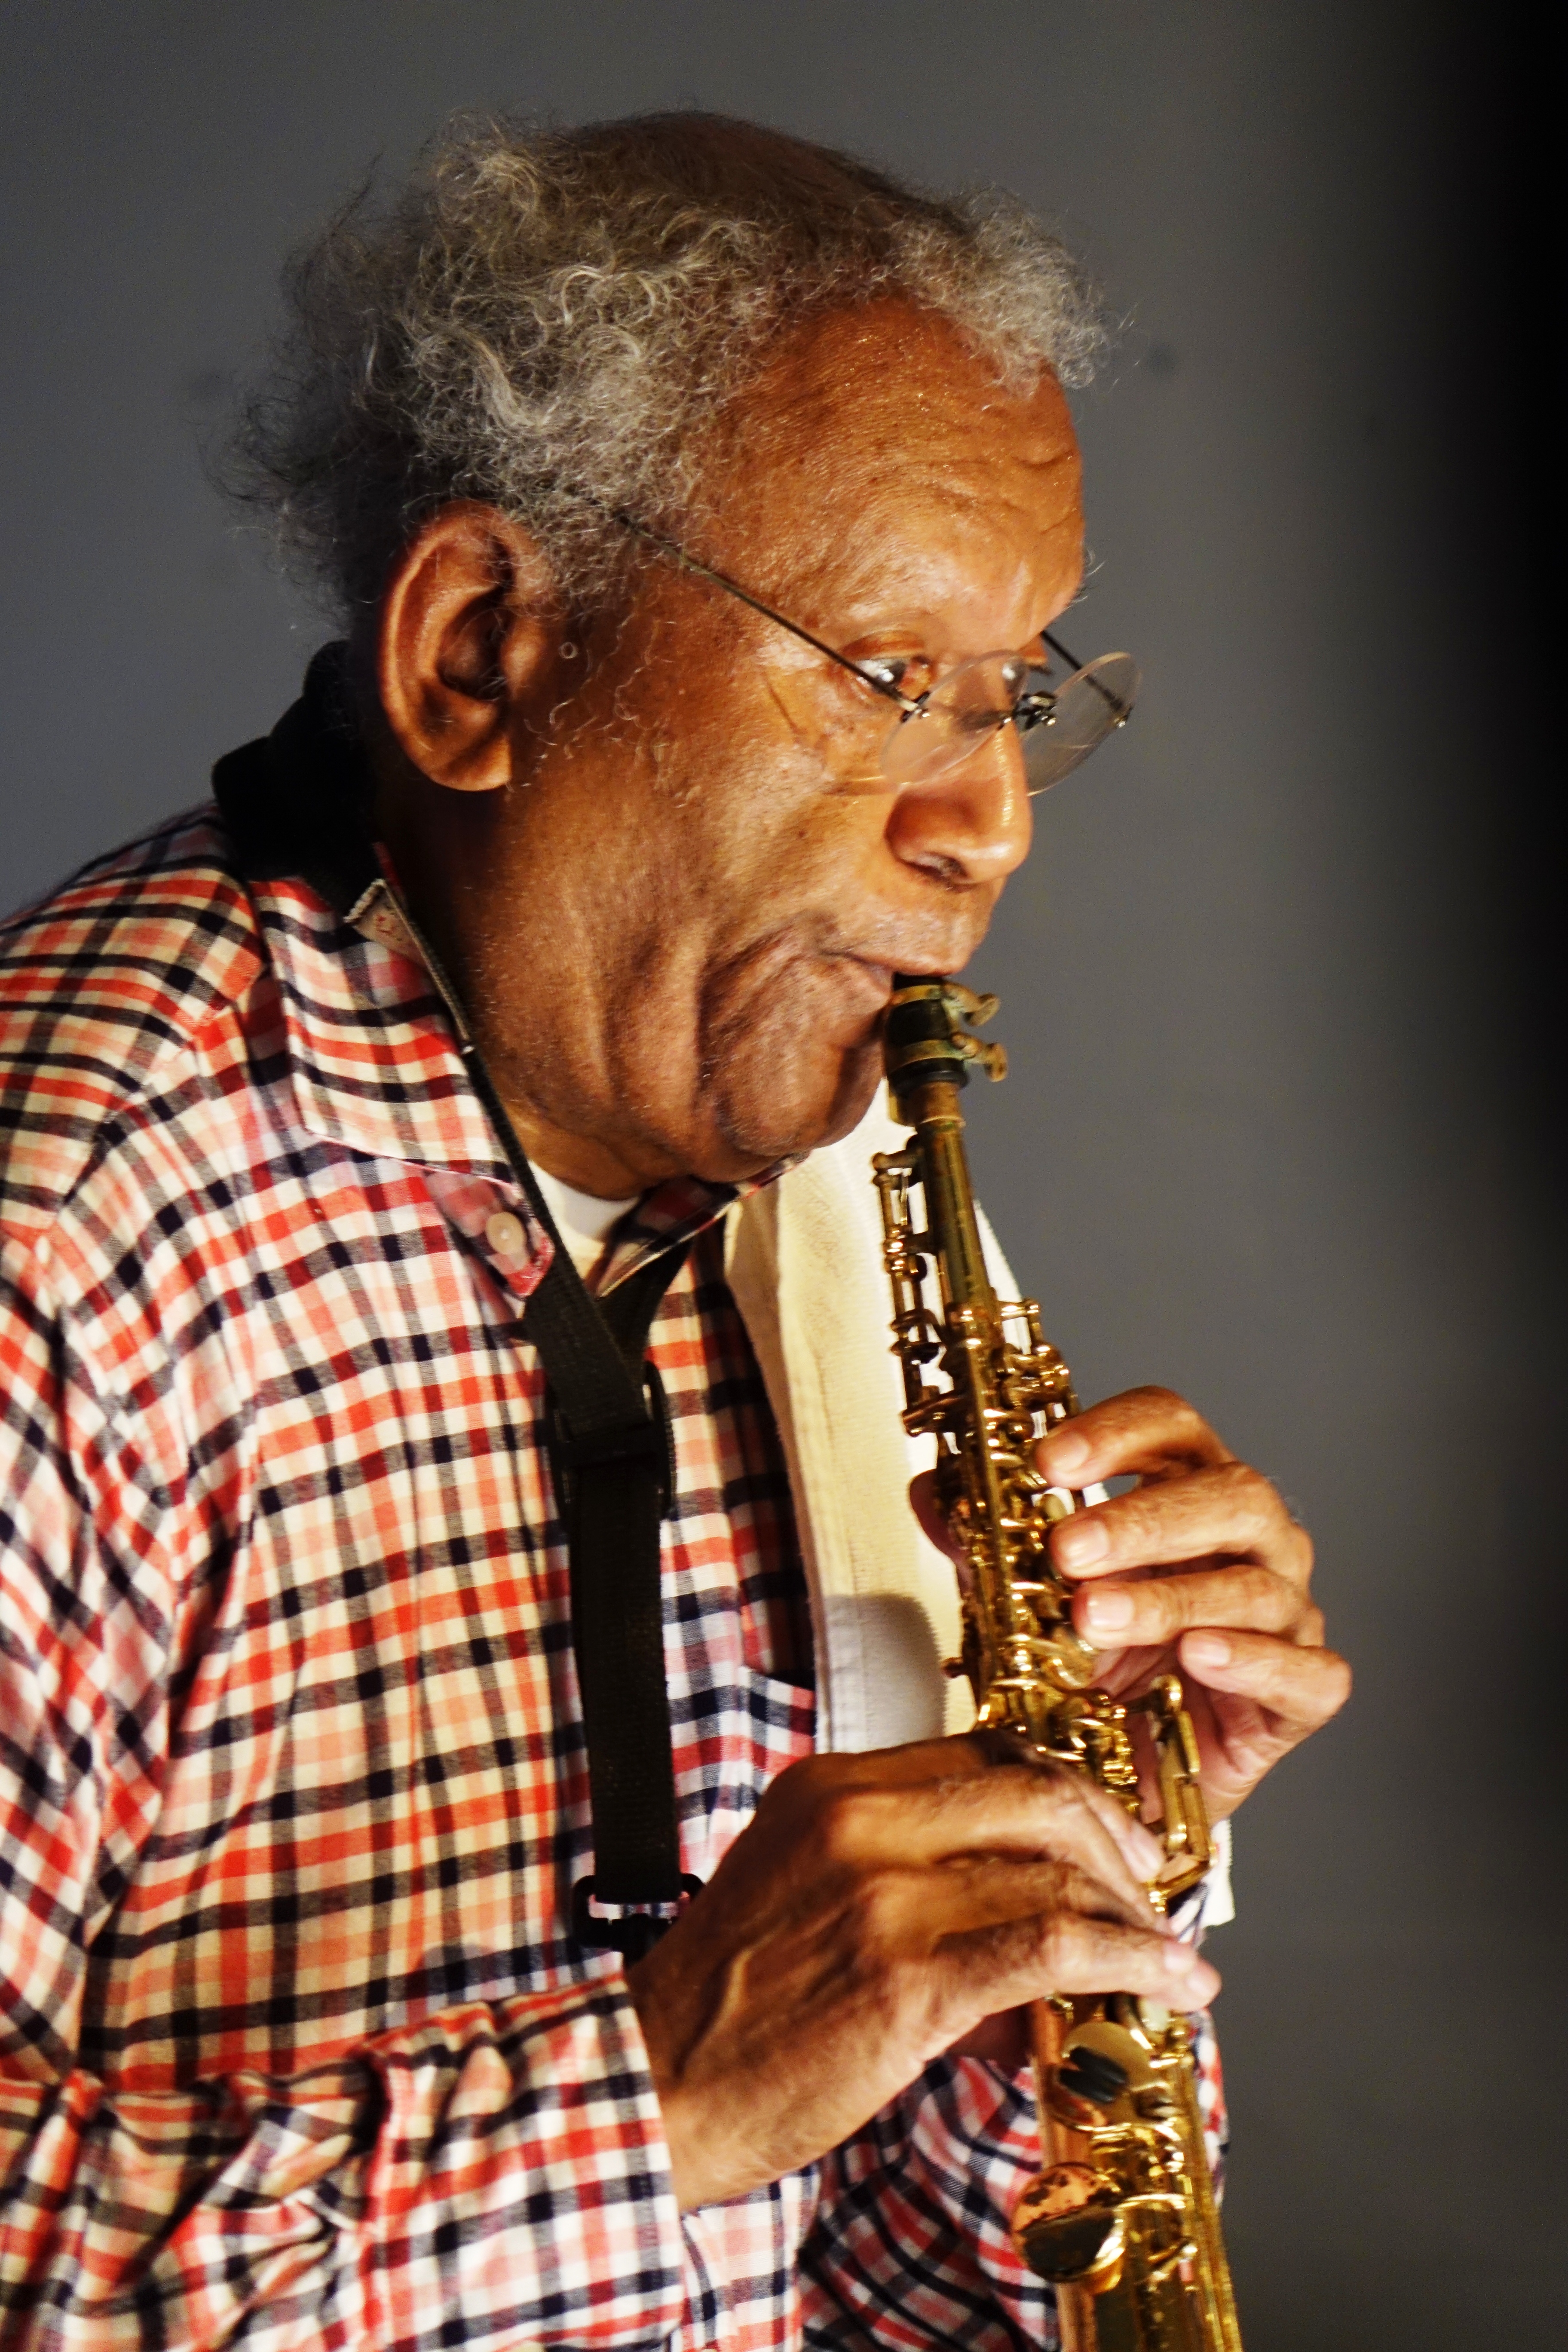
[296,2047]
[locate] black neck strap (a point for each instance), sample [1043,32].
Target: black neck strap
[297,803]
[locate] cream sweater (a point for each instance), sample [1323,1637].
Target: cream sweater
[805,1267]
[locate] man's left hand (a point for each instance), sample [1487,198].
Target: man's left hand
[1200,1568]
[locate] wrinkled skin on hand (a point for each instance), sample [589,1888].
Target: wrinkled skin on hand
[878,1908]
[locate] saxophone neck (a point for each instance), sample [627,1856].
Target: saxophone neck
[930,1051]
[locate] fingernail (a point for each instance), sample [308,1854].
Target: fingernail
[1181,1960]
[1206,1650]
[1062,1455]
[1109,1612]
[1078,1542]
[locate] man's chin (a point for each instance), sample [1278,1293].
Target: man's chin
[763,1117]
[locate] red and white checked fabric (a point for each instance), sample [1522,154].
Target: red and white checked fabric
[296,2048]
[911,2246]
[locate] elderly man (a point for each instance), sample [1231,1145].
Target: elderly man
[550,936]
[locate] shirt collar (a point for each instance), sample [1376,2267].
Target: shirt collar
[674,1212]
[374,1053]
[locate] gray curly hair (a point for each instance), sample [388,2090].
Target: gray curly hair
[541,314]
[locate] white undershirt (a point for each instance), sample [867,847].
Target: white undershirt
[582,1219]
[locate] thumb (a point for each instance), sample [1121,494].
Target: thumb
[924,1503]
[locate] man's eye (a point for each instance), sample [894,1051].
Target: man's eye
[907,674]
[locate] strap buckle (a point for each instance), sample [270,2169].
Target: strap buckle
[626,1441]
[634,1935]
[619,1446]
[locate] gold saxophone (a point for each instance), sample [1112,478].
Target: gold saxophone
[1121,2219]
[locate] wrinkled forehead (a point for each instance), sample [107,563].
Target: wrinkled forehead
[878,456]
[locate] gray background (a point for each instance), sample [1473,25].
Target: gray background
[1275,979]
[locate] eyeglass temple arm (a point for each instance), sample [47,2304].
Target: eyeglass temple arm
[678,554]
[721,580]
[1113,702]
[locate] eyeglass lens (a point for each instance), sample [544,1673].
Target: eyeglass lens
[1057,728]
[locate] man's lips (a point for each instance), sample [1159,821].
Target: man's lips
[879,974]
[872,989]
[850,987]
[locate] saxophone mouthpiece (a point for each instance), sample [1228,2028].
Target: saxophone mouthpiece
[927,1037]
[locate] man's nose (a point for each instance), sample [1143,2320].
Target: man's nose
[976,818]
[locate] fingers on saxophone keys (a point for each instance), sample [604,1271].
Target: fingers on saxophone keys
[1298,1684]
[1143,1430]
[1073,1947]
[1090,1828]
[1148,1613]
[1014,1809]
[1229,1509]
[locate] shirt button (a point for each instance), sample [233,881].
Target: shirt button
[504,1234]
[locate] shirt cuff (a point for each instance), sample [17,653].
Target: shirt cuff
[520,2184]
[1210,1903]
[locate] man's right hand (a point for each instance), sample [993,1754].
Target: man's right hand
[875,1912]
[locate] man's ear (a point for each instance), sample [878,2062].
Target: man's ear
[466,637]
